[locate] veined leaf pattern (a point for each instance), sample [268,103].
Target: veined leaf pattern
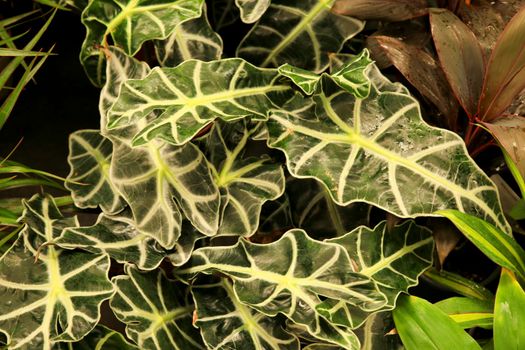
[161,180]
[293,273]
[252,10]
[55,294]
[393,259]
[116,236]
[100,338]
[226,323]
[155,310]
[247,182]
[392,158]
[193,39]
[182,250]
[299,32]
[129,23]
[193,94]
[89,182]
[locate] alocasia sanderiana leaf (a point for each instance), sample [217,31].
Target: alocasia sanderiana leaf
[247,182]
[116,236]
[192,39]
[391,157]
[226,323]
[157,312]
[193,94]
[300,32]
[100,338]
[294,272]
[50,294]
[88,180]
[129,23]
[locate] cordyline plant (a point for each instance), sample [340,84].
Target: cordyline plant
[235,193]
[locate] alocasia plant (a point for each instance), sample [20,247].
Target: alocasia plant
[194,148]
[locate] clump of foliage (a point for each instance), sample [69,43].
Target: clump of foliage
[271,193]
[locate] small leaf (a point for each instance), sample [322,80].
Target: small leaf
[226,323]
[55,294]
[460,56]
[387,152]
[88,180]
[293,273]
[468,312]
[382,10]
[193,39]
[494,243]
[422,325]
[509,313]
[505,76]
[300,32]
[116,236]
[192,95]
[252,10]
[129,23]
[155,311]
[458,284]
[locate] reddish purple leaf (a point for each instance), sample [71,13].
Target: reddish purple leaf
[384,10]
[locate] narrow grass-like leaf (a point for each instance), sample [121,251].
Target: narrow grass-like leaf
[390,157]
[300,32]
[129,23]
[193,94]
[468,312]
[156,311]
[422,325]
[509,313]
[226,323]
[459,284]
[494,243]
[89,182]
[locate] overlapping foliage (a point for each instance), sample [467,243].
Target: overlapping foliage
[197,152]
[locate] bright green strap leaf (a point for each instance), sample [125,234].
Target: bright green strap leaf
[100,338]
[300,32]
[192,39]
[289,276]
[155,310]
[226,323]
[53,294]
[88,180]
[458,284]
[252,10]
[116,236]
[390,157]
[393,259]
[129,23]
[509,313]
[247,182]
[120,67]
[422,325]
[159,181]
[192,95]
[468,312]
[494,243]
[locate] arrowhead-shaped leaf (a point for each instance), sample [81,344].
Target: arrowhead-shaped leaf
[192,39]
[300,32]
[247,181]
[226,323]
[129,23]
[155,310]
[252,10]
[51,294]
[116,236]
[89,182]
[391,157]
[161,180]
[393,259]
[292,273]
[192,95]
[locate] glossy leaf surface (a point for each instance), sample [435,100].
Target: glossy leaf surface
[509,313]
[252,10]
[389,153]
[299,32]
[155,310]
[129,23]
